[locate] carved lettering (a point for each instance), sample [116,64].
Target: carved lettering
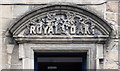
[50,30]
[87,29]
[61,24]
[39,30]
[73,29]
[32,30]
[45,29]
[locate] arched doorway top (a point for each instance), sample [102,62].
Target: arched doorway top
[60,20]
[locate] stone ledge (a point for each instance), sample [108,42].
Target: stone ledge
[68,39]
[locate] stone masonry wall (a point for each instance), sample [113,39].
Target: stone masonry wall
[111,52]
[10,10]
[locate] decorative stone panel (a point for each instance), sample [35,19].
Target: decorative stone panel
[56,21]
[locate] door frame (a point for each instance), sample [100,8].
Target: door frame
[27,50]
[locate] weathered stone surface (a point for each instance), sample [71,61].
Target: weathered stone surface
[100,9]
[61,48]
[0,40]
[5,24]
[4,54]
[112,6]
[6,11]
[19,10]
[111,55]
[119,53]
[111,17]
[119,19]
[10,48]
[10,58]
[111,65]
[15,62]
[16,66]
[119,31]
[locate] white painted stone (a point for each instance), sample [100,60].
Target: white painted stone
[28,52]
[21,51]
[99,55]
[28,63]
[9,61]
[99,49]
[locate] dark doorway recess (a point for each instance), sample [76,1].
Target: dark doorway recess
[60,61]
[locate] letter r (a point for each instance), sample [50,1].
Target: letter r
[32,30]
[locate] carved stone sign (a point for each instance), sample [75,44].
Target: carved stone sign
[61,23]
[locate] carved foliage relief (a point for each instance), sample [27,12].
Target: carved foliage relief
[61,23]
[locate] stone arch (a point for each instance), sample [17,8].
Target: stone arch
[101,26]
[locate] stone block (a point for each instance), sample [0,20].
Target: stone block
[112,56]
[28,52]
[111,65]
[6,11]
[28,63]
[112,6]
[9,59]
[113,45]
[15,56]
[99,49]
[6,22]
[111,17]
[4,47]
[18,10]
[10,48]
[4,61]
[99,8]
[21,51]
[16,66]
